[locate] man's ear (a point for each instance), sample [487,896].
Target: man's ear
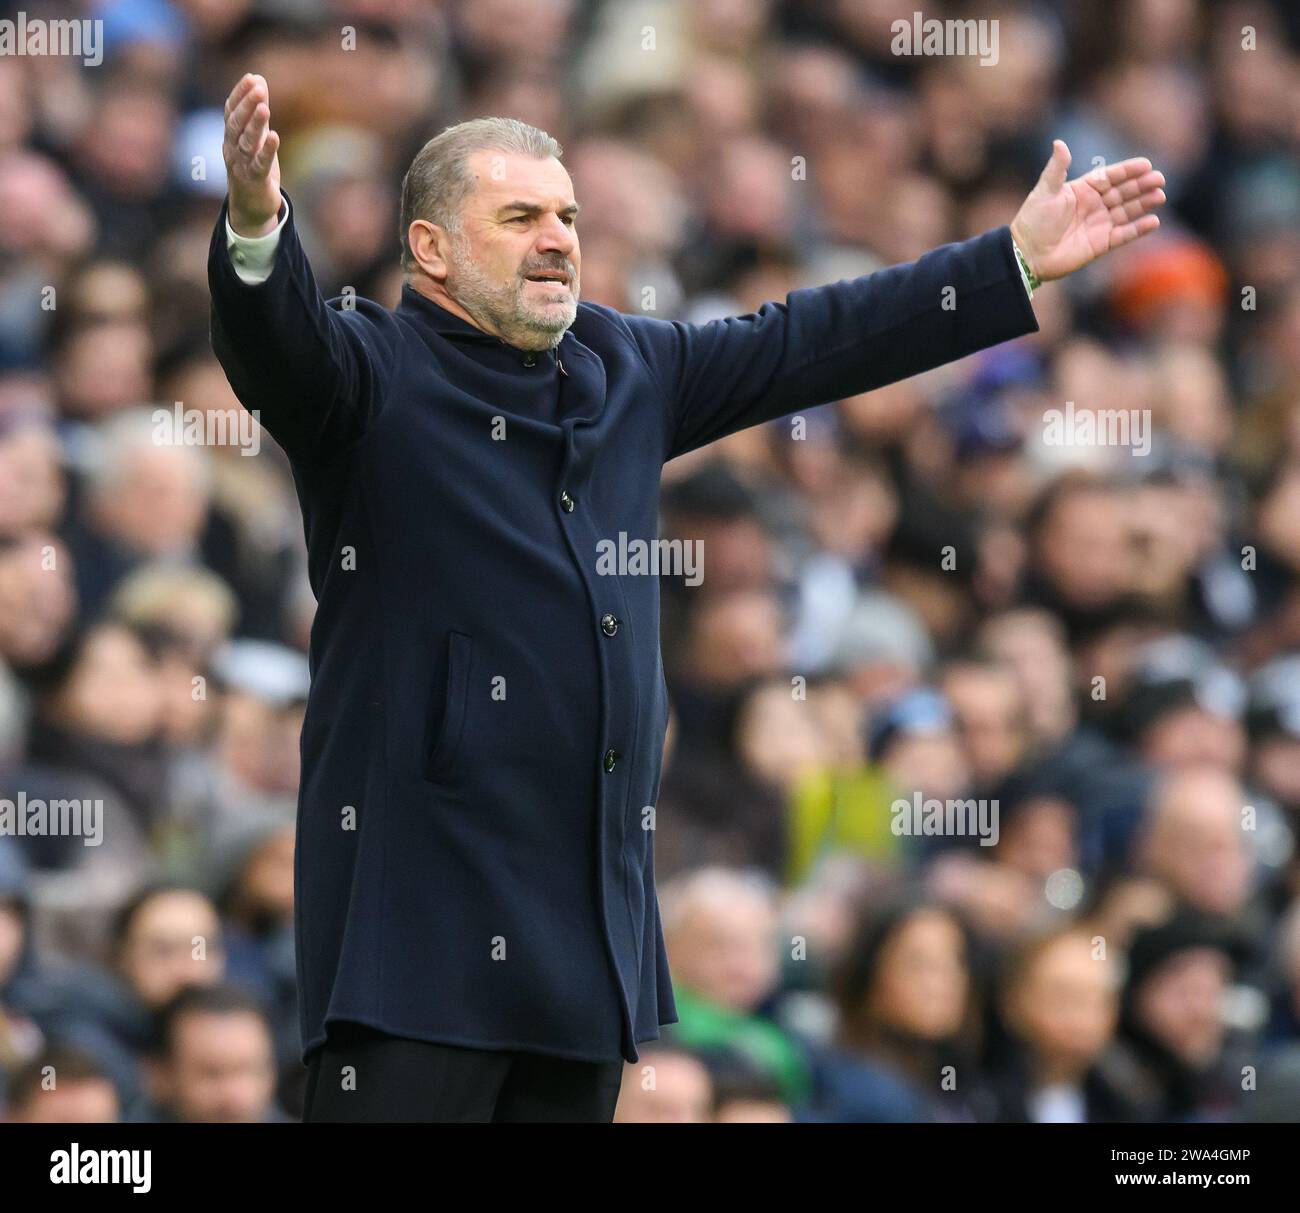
[429,246]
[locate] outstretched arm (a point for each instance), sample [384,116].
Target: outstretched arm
[826,343]
[829,342]
[314,374]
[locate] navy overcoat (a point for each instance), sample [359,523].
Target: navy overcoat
[486,720]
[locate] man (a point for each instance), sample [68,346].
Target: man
[667,1086]
[476,916]
[216,1063]
[1194,841]
[62,1085]
[1176,1059]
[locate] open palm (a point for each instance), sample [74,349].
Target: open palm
[1063,225]
[251,151]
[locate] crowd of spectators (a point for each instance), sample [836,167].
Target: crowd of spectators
[919,594]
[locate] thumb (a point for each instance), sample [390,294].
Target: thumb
[1054,172]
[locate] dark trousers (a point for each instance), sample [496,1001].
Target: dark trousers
[361,1075]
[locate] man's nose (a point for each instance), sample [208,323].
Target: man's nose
[555,236]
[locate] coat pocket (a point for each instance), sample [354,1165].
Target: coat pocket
[450,709]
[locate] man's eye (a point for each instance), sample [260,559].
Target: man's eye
[519,219]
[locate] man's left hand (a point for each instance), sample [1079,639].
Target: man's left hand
[1063,224]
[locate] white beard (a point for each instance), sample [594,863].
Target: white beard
[521,321]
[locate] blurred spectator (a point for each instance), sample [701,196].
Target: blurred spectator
[902,1051]
[1195,841]
[215,1064]
[253,892]
[720,930]
[97,715]
[665,1086]
[740,1098]
[37,598]
[21,989]
[62,1085]
[163,940]
[991,719]
[1173,1038]
[145,500]
[1060,1002]
[253,762]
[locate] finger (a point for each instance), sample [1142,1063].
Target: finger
[238,118]
[237,124]
[1053,175]
[261,163]
[1132,188]
[1136,166]
[1129,232]
[1137,206]
[1106,175]
[240,92]
[250,142]
[1152,199]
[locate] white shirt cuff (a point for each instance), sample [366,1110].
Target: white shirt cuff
[1020,262]
[254,256]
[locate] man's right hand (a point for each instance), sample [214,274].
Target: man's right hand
[250,150]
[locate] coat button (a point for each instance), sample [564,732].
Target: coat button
[530,359]
[609,624]
[611,757]
[566,502]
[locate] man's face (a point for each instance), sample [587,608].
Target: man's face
[515,262]
[1197,845]
[1084,548]
[990,713]
[221,1070]
[725,952]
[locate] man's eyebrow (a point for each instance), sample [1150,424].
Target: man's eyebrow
[531,208]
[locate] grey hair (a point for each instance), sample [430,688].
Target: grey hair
[712,888]
[439,180]
[111,451]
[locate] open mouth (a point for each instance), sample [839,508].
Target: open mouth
[556,277]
